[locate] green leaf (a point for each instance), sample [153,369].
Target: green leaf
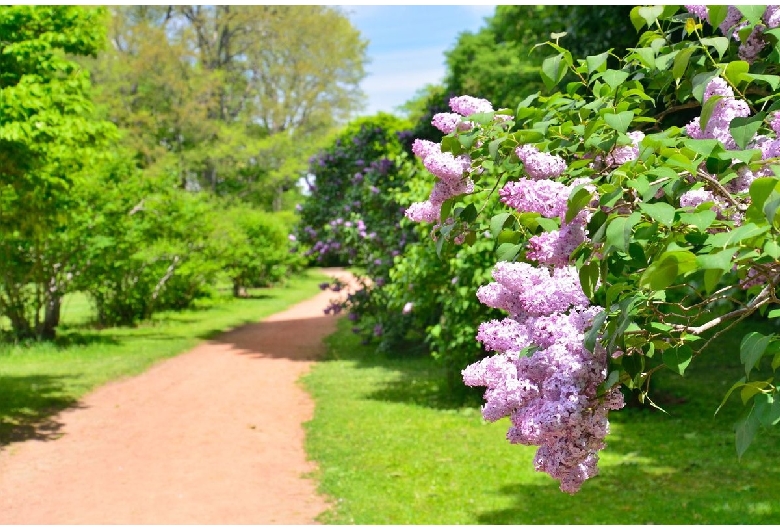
[735,386]
[507,252]
[711,279]
[701,220]
[498,222]
[661,273]
[678,358]
[576,202]
[707,110]
[650,14]
[592,334]
[768,409]
[589,278]
[681,61]
[468,214]
[721,44]
[636,18]
[772,80]
[452,145]
[752,13]
[620,121]
[717,14]
[446,208]
[595,62]
[659,211]
[743,130]
[735,72]
[746,231]
[721,260]
[745,430]
[614,78]
[553,70]
[752,348]
[619,230]
[494,146]
[761,188]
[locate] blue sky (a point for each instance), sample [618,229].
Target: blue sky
[406,46]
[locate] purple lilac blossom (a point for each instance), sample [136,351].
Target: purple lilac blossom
[551,397]
[772,16]
[467,105]
[700,11]
[545,197]
[540,165]
[446,166]
[626,153]
[449,122]
[555,247]
[726,109]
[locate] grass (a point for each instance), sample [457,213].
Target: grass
[40,379]
[393,449]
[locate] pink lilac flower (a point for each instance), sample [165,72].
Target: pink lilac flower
[448,122]
[408,306]
[545,197]
[555,247]
[423,148]
[749,50]
[726,109]
[694,198]
[446,166]
[700,11]
[727,27]
[551,397]
[467,105]
[443,190]
[540,165]
[772,16]
[423,212]
[626,153]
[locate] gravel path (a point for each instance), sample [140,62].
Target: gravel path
[213,436]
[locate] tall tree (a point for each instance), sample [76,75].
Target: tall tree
[236,93]
[499,62]
[47,135]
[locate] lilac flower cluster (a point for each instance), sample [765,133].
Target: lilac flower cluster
[550,396]
[718,127]
[731,26]
[726,109]
[539,165]
[549,199]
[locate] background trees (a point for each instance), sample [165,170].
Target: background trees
[140,145]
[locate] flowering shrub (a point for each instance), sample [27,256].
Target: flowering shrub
[627,222]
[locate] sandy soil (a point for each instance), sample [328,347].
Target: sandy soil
[213,436]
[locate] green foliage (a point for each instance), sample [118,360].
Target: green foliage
[500,63]
[48,140]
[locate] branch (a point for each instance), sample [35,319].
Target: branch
[721,190]
[764,296]
[677,108]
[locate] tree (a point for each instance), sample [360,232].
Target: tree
[500,63]
[235,97]
[47,137]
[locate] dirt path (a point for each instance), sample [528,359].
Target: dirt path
[213,436]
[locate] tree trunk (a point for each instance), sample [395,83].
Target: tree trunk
[51,317]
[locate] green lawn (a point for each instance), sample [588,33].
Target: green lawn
[392,449]
[39,379]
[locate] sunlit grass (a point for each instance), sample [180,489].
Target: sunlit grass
[392,449]
[37,379]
